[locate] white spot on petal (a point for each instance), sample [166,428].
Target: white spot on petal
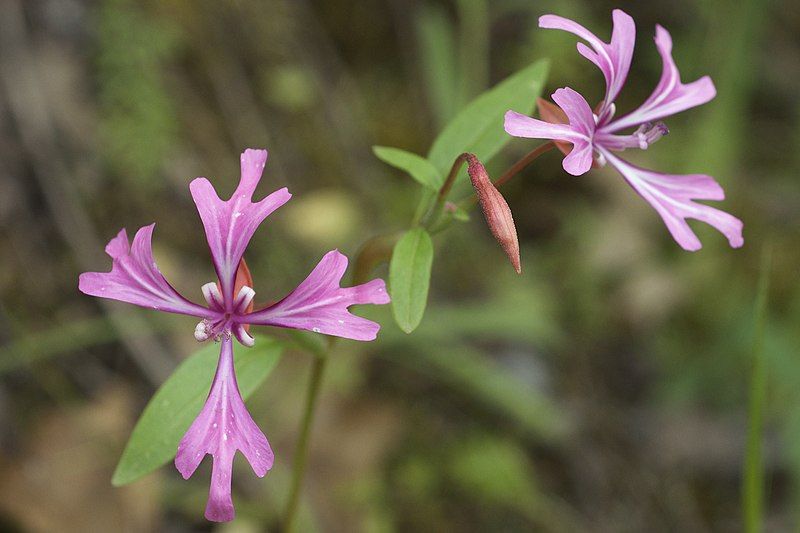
[315,330]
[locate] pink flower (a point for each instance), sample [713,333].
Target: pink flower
[318,304]
[595,137]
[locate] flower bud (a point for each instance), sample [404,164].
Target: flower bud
[495,210]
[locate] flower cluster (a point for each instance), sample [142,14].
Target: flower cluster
[596,136]
[318,304]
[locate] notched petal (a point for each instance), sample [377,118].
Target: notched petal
[230,224]
[135,278]
[320,305]
[670,96]
[673,197]
[223,426]
[613,58]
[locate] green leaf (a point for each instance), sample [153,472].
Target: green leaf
[478,128]
[409,277]
[172,408]
[416,166]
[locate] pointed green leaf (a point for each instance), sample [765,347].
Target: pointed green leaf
[416,166]
[409,277]
[478,128]
[172,408]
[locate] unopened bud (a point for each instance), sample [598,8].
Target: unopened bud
[495,210]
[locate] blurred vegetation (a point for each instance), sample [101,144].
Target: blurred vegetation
[605,389]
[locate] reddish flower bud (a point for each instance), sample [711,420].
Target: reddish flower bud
[495,210]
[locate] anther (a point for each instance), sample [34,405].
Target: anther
[202,332]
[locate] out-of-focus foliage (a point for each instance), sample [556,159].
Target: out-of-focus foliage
[605,389]
[138,127]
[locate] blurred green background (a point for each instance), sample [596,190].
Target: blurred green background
[604,389]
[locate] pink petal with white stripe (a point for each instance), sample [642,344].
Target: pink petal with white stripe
[672,196]
[223,426]
[230,224]
[579,131]
[135,278]
[670,95]
[613,59]
[320,305]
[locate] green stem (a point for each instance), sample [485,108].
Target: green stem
[753,479]
[372,253]
[529,158]
[301,451]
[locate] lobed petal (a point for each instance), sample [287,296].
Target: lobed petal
[229,225]
[223,426]
[135,278]
[672,196]
[320,305]
[670,96]
[579,131]
[613,59]
[520,125]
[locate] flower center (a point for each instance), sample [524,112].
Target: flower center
[226,322]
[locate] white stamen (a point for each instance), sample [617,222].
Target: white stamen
[212,295]
[245,338]
[315,330]
[243,299]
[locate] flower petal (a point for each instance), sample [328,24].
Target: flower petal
[230,224]
[670,95]
[613,59]
[579,131]
[520,125]
[135,278]
[223,426]
[579,160]
[672,196]
[577,110]
[318,304]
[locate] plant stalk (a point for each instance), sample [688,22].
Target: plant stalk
[301,451]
